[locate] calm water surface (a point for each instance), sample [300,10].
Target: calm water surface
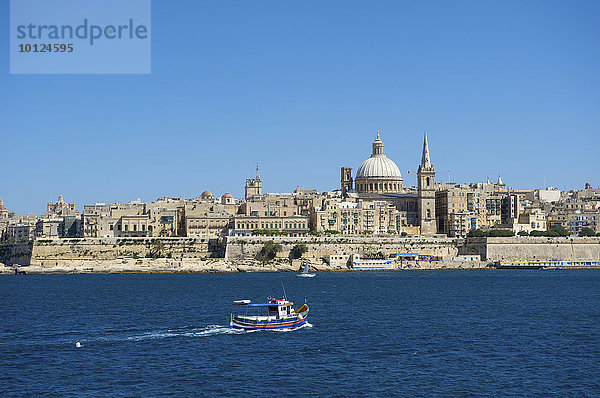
[413,333]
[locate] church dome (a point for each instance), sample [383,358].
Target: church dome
[378,165]
[206,195]
[378,174]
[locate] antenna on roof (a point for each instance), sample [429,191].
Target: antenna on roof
[257,175]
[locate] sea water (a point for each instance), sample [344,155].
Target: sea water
[402,333]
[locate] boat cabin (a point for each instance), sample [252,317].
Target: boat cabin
[279,308]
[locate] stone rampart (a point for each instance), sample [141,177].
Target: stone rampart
[16,253]
[534,248]
[247,247]
[50,252]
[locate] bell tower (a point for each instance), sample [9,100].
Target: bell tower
[426,190]
[253,186]
[346,180]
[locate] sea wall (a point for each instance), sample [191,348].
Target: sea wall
[247,247]
[16,253]
[51,252]
[534,248]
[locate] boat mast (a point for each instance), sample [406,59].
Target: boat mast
[284,295]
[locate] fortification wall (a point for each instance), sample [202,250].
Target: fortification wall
[535,248]
[16,253]
[50,252]
[247,247]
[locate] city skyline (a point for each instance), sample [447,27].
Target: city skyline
[506,89]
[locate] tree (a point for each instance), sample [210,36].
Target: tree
[523,233]
[560,230]
[157,249]
[268,251]
[298,250]
[587,231]
[476,233]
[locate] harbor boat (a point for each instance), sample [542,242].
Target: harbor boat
[273,315]
[305,273]
[547,264]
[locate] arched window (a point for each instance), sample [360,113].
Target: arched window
[428,210]
[427,181]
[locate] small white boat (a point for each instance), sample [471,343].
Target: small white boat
[305,273]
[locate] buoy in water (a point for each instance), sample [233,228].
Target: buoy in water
[78,344]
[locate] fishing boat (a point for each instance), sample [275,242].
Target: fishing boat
[272,315]
[305,273]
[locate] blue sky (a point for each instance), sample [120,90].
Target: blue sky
[502,87]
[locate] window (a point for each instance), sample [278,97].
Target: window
[126,227]
[135,227]
[110,227]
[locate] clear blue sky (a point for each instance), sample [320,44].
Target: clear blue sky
[502,87]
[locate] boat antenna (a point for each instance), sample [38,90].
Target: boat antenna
[284,295]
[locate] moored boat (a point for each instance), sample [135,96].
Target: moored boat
[279,315]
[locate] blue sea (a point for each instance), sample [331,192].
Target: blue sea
[404,333]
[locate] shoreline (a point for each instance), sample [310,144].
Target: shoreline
[156,266]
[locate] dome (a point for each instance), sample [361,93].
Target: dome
[378,174]
[228,195]
[206,195]
[378,166]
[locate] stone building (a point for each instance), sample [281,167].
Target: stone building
[253,187]
[62,208]
[359,217]
[293,225]
[577,210]
[379,183]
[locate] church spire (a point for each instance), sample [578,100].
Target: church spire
[425,160]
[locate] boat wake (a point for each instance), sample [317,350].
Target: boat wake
[125,335]
[206,331]
[210,330]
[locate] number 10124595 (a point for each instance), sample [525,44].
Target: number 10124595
[45,48]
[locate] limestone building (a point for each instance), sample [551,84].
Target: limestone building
[379,187]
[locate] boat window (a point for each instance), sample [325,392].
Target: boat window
[273,310]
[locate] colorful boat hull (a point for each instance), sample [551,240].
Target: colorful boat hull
[292,321]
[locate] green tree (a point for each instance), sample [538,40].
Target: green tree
[476,233]
[560,230]
[298,250]
[157,249]
[587,231]
[268,251]
[523,233]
